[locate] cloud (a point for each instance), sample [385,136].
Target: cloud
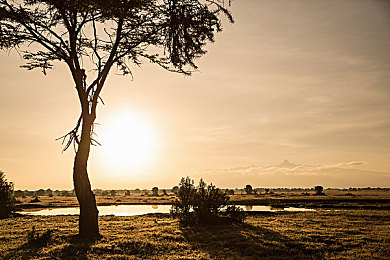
[289,174]
[285,168]
[353,163]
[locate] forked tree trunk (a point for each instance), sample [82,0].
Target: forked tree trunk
[88,220]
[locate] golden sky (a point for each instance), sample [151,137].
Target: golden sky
[307,81]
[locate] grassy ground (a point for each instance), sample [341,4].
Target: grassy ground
[343,234]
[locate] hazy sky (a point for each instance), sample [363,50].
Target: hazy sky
[307,81]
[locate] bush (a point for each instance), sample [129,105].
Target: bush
[236,214]
[248,189]
[208,201]
[201,204]
[36,199]
[185,200]
[7,200]
[155,191]
[319,190]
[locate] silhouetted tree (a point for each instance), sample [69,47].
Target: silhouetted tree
[7,200]
[319,190]
[91,37]
[49,193]
[155,191]
[175,189]
[19,193]
[165,192]
[248,189]
[40,192]
[230,192]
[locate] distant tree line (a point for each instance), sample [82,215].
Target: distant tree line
[155,191]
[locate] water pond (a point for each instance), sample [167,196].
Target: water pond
[133,210]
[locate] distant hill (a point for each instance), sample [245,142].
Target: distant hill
[287,164]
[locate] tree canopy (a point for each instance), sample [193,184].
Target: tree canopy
[92,36]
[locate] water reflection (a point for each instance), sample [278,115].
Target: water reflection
[133,210]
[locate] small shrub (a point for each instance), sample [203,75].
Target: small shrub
[208,201]
[38,239]
[198,205]
[235,214]
[36,199]
[155,191]
[7,199]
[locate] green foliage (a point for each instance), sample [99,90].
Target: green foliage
[202,204]
[38,239]
[7,200]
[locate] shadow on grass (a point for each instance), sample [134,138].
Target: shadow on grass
[244,241]
[65,247]
[76,248]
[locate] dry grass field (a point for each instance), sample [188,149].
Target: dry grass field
[323,234]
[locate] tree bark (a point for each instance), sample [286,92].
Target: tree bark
[88,219]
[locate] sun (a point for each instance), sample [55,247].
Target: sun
[128,141]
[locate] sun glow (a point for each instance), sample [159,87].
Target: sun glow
[128,142]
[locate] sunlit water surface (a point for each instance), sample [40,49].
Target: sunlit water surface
[133,210]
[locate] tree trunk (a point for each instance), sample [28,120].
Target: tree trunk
[88,220]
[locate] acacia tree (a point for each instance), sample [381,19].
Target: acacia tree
[92,36]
